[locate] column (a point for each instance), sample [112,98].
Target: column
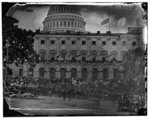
[57,71]
[47,74]
[111,73]
[78,72]
[89,76]
[100,74]
[68,74]
[88,57]
[57,74]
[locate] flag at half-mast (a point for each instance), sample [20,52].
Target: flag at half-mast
[105,21]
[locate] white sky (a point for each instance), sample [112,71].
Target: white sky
[122,17]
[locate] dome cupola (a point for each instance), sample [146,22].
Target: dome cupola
[61,18]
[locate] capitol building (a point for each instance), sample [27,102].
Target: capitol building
[67,50]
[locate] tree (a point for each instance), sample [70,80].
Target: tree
[132,80]
[20,42]
[131,75]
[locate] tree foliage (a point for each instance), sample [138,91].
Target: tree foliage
[134,70]
[132,76]
[20,41]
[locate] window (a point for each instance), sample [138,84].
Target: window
[84,74]
[53,56]
[114,43]
[73,42]
[94,74]
[93,42]
[20,72]
[116,74]
[52,73]
[42,41]
[52,41]
[133,43]
[105,74]
[42,57]
[103,42]
[41,72]
[93,58]
[103,59]
[83,59]
[73,59]
[64,24]
[63,56]
[74,72]
[83,42]
[62,42]
[30,72]
[124,43]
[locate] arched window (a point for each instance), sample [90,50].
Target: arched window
[123,54]
[63,73]
[30,72]
[74,73]
[42,54]
[21,72]
[63,54]
[73,54]
[94,54]
[61,24]
[52,73]
[114,54]
[104,55]
[64,24]
[41,72]
[105,74]
[72,24]
[52,55]
[104,59]
[83,54]
[94,74]
[116,73]
[68,24]
[84,74]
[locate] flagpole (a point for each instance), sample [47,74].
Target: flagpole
[109,22]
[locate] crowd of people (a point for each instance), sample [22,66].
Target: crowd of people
[65,88]
[61,87]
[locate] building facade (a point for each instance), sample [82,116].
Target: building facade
[67,50]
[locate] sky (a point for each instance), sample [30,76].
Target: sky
[121,16]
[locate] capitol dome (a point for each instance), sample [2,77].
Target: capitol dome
[61,18]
